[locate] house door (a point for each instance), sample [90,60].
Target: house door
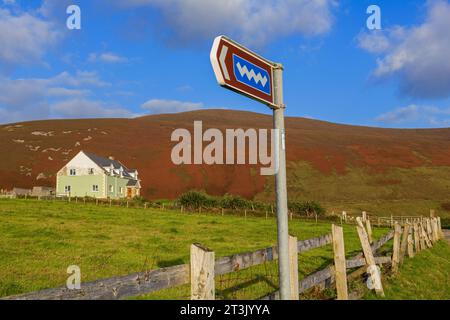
[129,192]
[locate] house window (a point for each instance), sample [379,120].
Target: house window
[73,172]
[91,171]
[67,189]
[95,188]
[111,188]
[120,190]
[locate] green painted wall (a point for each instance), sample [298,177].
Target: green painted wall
[81,186]
[116,183]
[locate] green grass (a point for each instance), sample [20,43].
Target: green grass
[424,277]
[40,239]
[396,191]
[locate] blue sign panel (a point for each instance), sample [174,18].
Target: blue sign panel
[251,75]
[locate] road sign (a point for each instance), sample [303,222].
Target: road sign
[241,70]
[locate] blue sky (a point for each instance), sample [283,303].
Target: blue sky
[139,57]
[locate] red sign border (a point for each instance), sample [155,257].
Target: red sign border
[214,56]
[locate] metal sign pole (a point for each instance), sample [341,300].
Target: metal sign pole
[262,80]
[281,189]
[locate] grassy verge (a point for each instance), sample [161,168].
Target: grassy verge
[40,239]
[424,277]
[393,191]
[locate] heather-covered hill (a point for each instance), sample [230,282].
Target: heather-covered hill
[325,160]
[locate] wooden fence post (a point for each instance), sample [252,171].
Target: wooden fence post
[202,273]
[433,230]
[222,212]
[404,244]
[429,230]
[339,262]
[416,237]
[369,231]
[434,226]
[425,236]
[293,267]
[266,214]
[410,246]
[368,254]
[396,248]
[441,234]
[110,202]
[364,216]
[392,221]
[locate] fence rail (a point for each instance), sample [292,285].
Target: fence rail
[321,276]
[150,281]
[203,267]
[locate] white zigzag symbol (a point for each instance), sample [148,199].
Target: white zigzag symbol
[251,74]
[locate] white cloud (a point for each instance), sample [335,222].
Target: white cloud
[418,55]
[417,114]
[170,106]
[62,96]
[24,38]
[106,57]
[19,92]
[254,22]
[82,108]
[80,78]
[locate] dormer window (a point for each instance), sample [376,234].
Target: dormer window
[73,172]
[91,171]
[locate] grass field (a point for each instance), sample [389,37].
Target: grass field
[397,191]
[40,239]
[425,277]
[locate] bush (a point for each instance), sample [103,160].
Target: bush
[196,199]
[445,206]
[307,208]
[445,223]
[139,200]
[234,202]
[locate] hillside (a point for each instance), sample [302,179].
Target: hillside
[326,161]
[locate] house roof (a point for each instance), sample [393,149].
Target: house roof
[107,162]
[133,183]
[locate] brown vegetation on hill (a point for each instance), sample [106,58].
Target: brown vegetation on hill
[32,152]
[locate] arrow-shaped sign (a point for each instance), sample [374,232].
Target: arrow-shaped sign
[241,70]
[223,55]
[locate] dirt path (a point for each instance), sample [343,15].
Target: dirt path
[447,235]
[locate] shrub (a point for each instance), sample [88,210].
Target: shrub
[445,206]
[234,202]
[307,208]
[139,200]
[195,199]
